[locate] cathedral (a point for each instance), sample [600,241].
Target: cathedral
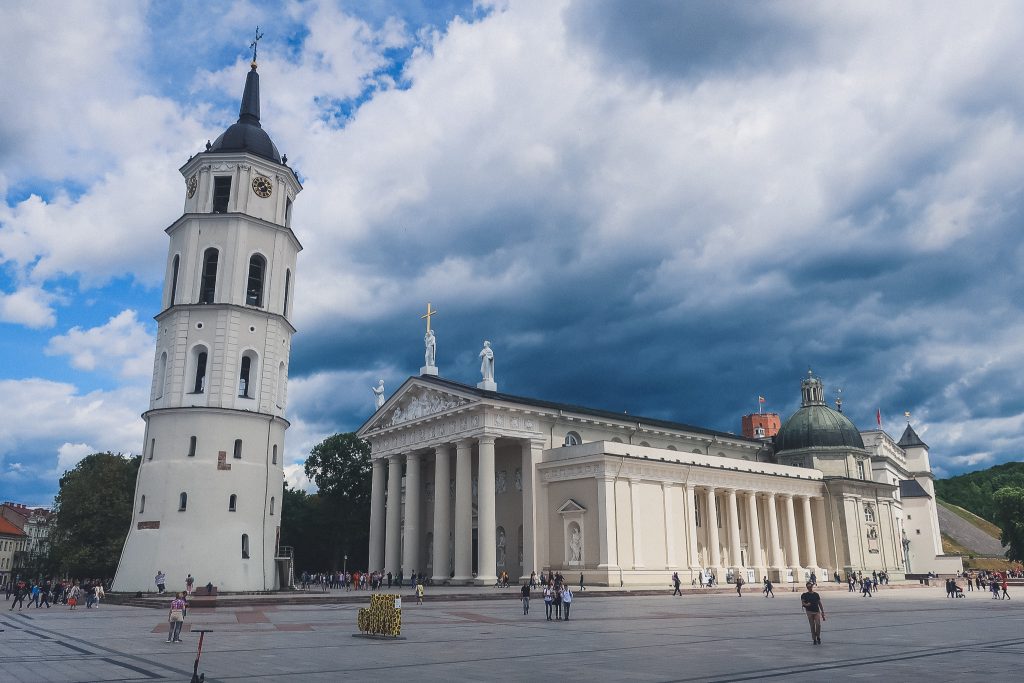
[469,483]
[209,490]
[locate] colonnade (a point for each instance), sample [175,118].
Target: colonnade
[397,535]
[783,546]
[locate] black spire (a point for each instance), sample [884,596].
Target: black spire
[249,112]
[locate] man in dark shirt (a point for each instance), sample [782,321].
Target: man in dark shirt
[815,611]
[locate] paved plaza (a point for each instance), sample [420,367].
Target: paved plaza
[899,635]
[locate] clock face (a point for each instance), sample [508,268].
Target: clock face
[261,186]
[191,184]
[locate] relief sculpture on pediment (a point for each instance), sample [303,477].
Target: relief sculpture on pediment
[418,405]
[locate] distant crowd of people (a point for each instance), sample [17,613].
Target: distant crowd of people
[46,592]
[991,581]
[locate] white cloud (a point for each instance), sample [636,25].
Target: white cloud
[30,306]
[69,455]
[122,343]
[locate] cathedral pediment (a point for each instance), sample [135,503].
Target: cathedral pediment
[415,403]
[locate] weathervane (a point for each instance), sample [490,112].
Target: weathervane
[253,44]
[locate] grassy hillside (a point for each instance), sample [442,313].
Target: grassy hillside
[973,491]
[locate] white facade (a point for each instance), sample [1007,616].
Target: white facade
[209,491]
[624,501]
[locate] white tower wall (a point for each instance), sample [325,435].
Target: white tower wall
[216,421]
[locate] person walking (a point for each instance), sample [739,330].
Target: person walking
[419,591]
[566,600]
[175,618]
[525,592]
[557,588]
[676,582]
[768,588]
[73,595]
[161,581]
[549,600]
[19,597]
[815,610]
[865,587]
[189,583]
[739,585]
[1005,594]
[582,587]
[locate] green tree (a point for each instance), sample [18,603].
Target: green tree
[1009,513]
[974,491]
[340,467]
[93,510]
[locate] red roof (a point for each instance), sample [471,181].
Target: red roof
[8,529]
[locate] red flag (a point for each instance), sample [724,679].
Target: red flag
[878,417]
[760,399]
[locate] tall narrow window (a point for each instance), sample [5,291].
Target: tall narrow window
[174,279]
[860,469]
[200,385]
[191,446]
[288,212]
[152,448]
[243,377]
[274,461]
[232,502]
[271,505]
[245,546]
[238,449]
[287,286]
[282,379]
[208,285]
[142,505]
[221,193]
[182,501]
[254,286]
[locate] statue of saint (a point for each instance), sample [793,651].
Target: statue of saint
[487,362]
[430,347]
[575,545]
[378,393]
[501,547]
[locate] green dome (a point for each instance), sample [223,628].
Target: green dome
[816,426]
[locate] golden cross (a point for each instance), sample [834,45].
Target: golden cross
[427,316]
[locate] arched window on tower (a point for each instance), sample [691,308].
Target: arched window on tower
[572,439]
[174,280]
[182,501]
[287,286]
[271,505]
[288,212]
[200,384]
[232,502]
[274,461]
[208,282]
[142,504]
[244,374]
[221,193]
[245,546]
[238,449]
[254,285]
[191,446]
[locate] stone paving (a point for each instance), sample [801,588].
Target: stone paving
[898,635]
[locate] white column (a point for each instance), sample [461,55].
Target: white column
[714,551]
[812,556]
[486,526]
[464,511]
[753,533]
[825,555]
[377,513]
[411,551]
[531,451]
[774,557]
[734,530]
[442,511]
[691,527]
[634,505]
[393,539]
[792,547]
[608,543]
[670,527]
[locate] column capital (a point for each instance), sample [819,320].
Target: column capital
[486,439]
[786,496]
[412,457]
[446,447]
[379,462]
[730,489]
[463,444]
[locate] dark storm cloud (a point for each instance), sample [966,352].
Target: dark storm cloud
[685,40]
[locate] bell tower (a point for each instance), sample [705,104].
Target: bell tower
[208,496]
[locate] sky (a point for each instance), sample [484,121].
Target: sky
[656,207]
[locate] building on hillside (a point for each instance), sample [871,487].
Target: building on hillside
[12,542]
[210,486]
[621,499]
